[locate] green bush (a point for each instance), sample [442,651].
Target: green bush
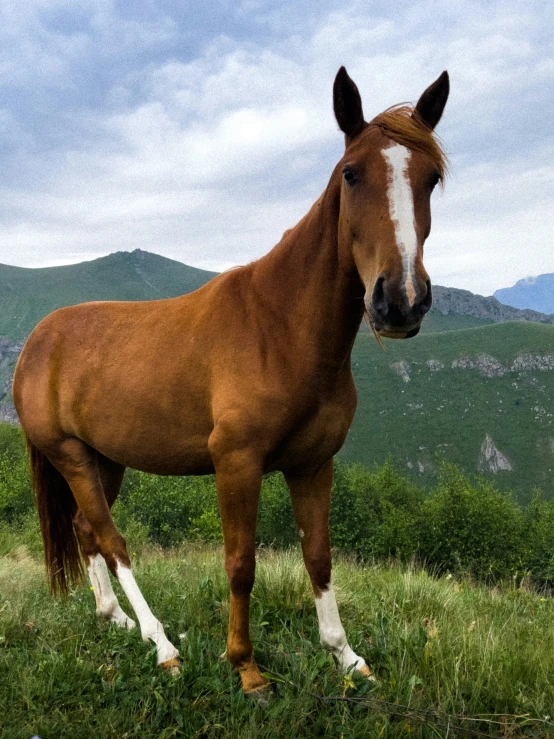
[374,514]
[472,528]
[16,496]
[171,509]
[276,524]
[539,538]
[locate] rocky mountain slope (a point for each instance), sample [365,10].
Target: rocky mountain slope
[450,300]
[481,397]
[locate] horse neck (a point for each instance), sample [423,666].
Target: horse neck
[303,285]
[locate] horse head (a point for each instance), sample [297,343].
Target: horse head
[388,172]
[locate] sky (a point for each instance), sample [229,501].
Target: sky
[202,131]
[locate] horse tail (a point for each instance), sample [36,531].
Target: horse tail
[56,508]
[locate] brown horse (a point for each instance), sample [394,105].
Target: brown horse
[249,374]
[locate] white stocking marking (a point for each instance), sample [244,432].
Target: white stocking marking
[150,627]
[401,204]
[106,600]
[331,632]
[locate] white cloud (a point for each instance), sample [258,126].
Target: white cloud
[209,158]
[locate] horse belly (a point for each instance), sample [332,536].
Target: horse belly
[149,432]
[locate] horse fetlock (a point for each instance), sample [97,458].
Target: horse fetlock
[349,661]
[252,681]
[116,615]
[154,632]
[333,639]
[105,605]
[173,666]
[239,655]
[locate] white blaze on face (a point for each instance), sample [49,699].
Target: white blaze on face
[401,206]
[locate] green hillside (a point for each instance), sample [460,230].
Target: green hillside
[419,408]
[27,295]
[436,321]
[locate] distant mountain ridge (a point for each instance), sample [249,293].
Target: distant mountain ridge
[27,295]
[450,300]
[536,293]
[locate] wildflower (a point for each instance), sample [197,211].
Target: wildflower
[431,628]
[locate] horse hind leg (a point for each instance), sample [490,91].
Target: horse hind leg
[107,605]
[81,467]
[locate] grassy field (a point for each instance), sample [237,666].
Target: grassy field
[452,659]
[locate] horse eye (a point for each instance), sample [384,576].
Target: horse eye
[433,181]
[349,175]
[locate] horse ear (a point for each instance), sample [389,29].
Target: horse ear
[431,104]
[347,104]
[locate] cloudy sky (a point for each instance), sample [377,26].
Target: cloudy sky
[201,131]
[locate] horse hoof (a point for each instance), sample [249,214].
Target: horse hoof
[260,696]
[172,666]
[366,672]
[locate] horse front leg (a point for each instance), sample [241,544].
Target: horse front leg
[239,479]
[311,497]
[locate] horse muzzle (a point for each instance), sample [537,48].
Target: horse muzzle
[390,311]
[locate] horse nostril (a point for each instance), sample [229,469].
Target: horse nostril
[378,299]
[427,301]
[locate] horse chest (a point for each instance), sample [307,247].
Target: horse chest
[320,435]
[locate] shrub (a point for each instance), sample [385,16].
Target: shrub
[171,509]
[275,517]
[472,528]
[539,539]
[16,496]
[374,514]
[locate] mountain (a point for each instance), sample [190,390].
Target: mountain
[532,292]
[451,301]
[475,387]
[27,295]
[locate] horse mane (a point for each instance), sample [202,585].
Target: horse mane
[403,124]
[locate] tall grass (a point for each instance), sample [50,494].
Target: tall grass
[446,653]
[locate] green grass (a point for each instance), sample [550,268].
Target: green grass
[436,645]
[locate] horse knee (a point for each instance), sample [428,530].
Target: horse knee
[241,572]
